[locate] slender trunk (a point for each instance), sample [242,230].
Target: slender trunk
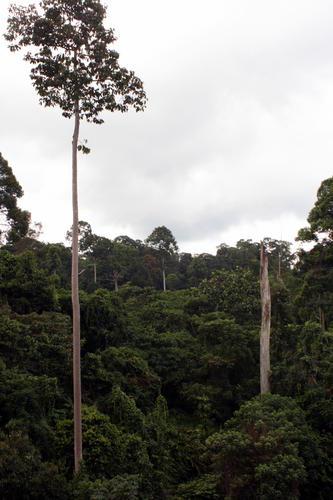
[75,301]
[265,293]
[322,319]
[115,277]
[279,268]
[95,273]
[163,274]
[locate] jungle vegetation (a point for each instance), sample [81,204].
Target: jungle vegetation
[170,378]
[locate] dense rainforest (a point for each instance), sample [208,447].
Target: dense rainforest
[170,365]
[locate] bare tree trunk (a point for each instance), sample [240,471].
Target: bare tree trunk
[75,301]
[265,366]
[163,274]
[322,319]
[279,268]
[95,273]
[115,279]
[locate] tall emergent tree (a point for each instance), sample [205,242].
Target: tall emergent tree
[265,332]
[163,241]
[74,67]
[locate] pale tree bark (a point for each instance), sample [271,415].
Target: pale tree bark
[115,280]
[322,319]
[265,367]
[75,301]
[95,273]
[163,274]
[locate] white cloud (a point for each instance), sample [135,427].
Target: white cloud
[236,137]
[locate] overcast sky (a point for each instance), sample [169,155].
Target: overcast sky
[234,143]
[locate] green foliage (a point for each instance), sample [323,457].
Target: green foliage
[321,216]
[14,222]
[26,397]
[39,342]
[103,320]
[108,451]
[55,260]
[123,367]
[173,282]
[72,58]
[227,367]
[121,487]
[173,356]
[308,362]
[162,240]
[315,293]
[201,267]
[123,411]
[234,292]
[23,474]
[165,312]
[161,440]
[24,285]
[169,378]
[263,450]
[244,255]
[203,488]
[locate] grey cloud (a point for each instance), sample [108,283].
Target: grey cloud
[237,129]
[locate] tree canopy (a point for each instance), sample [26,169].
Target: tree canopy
[14,222]
[72,57]
[320,218]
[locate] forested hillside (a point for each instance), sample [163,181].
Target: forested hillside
[170,378]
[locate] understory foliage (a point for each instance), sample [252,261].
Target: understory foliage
[170,379]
